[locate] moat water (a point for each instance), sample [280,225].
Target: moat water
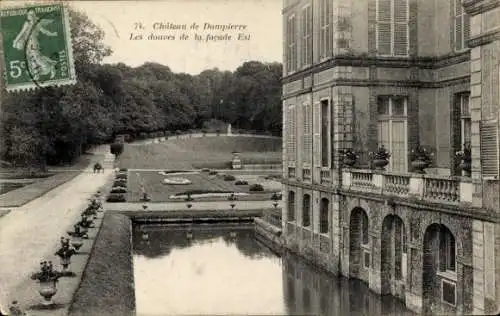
[222,269]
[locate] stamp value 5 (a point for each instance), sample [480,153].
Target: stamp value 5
[37,47]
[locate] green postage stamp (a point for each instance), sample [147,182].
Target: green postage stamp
[37,48]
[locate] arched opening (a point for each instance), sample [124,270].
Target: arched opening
[439,270]
[306,210]
[359,249]
[291,206]
[393,255]
[324,212]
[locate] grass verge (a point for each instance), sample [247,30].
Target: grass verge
[107,286]
[21,196]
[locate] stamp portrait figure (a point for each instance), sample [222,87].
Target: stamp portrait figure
[38,64]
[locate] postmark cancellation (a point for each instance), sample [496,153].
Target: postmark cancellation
[37,47]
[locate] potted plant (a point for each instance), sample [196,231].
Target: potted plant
[275,199]
[77,235]
[380,158]
[65,253]
[350,157]
[47,277]
[421,158]
[465,158]
[232,198]
[85,223]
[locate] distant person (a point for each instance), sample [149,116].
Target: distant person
[98,167]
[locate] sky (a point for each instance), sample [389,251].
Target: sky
[120,21]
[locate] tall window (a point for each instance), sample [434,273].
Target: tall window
[325,133]
[461,25]
[291,206]
[465,119]
[306,36]
[392,27]
[446,250]
[364,229]
[324,212]
[307,136]
[306,210]
[326,34]
[392,130]
[291,55]
[399,247]
[291,133]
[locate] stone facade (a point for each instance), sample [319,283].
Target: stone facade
[432,240]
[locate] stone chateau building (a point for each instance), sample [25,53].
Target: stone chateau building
[361,74]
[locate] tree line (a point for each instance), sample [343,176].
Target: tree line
[54,125]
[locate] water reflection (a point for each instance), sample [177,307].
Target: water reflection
[161,240]
[308,290]
[222,269]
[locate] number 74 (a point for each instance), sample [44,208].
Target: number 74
[16,68]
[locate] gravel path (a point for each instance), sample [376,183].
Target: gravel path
[31,233]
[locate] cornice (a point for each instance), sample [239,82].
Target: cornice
[371,61]
[475,7]
[379,83]
[484,38]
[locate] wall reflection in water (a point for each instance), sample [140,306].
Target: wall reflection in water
[308,290]
[222,269]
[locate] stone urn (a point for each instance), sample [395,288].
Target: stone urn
[47,290]
[380,164]
[47,277]
[65,253]
[77,242]
[275,204]
[418,165]
[349,162]
[466,165]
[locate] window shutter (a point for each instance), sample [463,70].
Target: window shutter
[384,27]
[307,134]
[458,33]
[489,149]
[400,27]
[466,29]
[317,134]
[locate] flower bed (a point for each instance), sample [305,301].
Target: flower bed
[176,181]
[206,194]
[176,172]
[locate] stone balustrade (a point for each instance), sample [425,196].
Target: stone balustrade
[448,190]
[291,172]
[306,174]
[325,176]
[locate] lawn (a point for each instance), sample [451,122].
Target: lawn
[160,192]
[209,152]
[21,196]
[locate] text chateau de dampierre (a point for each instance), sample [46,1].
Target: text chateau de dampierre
[384,79]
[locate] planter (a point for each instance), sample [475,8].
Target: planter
[65,262]
[380,164]
[466,165]
[419,165]
[232,205]
[275,204]
[77,243]
[349,162]
[47,291]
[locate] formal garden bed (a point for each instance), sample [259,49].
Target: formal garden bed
[202,186]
